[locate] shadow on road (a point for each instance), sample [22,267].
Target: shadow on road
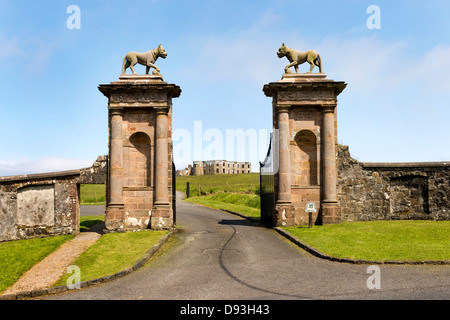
[235,222]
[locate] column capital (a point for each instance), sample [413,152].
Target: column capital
[116,112]
[162,111]
[282,108]
[329,108]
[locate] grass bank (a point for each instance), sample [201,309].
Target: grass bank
[237,183]
[246,204]
[17,257]
[92,194]
[113,253]
[87,222]
[406,240]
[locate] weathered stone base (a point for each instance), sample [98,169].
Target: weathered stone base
[115,219]
[284,215]
[162,218]
[330,213]
[300,196]
[137,219]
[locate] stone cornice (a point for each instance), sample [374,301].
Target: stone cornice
[139,92]
[317,91]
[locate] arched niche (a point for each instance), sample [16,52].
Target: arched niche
[304,164]
[139,166]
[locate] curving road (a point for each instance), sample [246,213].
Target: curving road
[220,256]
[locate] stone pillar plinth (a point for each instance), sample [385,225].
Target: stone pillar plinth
[304,118]
[139,188]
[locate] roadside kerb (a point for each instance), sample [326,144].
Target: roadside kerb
[61,289]
[321,255]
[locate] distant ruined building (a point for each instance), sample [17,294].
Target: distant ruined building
[214,167]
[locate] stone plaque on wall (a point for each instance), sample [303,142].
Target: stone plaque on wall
[36,206]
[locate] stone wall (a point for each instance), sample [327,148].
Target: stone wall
[184,172]
[39,205]
[392,191]
[96,174]
[46,204]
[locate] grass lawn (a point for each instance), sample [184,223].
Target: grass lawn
[92,194]
[17,257]
[246,204]
[380,240]
[88,221]
[216,183]
[113,253]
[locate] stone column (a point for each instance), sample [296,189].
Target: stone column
[162,212]
[161,158]
[116,156]
[115,214]
[284,211]
[330,208]
[284,190]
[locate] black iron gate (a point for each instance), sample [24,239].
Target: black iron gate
[267,191]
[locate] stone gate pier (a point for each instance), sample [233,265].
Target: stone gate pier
[304,118]
[139,188]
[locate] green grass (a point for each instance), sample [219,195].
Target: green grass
[246,204]
[246,183]
[88,221]
[17,257]
[233,192]
[113,253]
[377,240]
[380,240]
[92,194]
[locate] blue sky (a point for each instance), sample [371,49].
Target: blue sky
[396,107]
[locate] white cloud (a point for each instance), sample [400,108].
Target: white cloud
[372,65]
[431,70]
[30,56]
[366,63]
[43,165]
[248,55]
[369,64]
[9,49]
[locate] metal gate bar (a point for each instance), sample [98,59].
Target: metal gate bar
[267,191]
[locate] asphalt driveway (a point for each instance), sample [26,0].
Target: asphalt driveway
[216,255]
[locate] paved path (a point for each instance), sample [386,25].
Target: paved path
[45,273]
[220,256]
[92,210]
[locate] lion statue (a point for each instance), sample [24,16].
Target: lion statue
[296,58]
[147,59]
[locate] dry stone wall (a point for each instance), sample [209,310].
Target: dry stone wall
[392,191]
[47,204]
[96,174]
[39,205]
